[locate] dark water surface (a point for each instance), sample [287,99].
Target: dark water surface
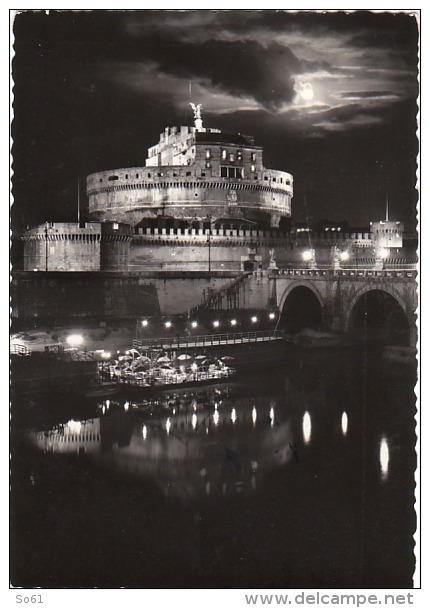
[299,478]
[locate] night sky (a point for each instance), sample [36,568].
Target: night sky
[330,97]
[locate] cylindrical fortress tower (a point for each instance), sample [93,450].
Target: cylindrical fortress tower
[192,176]
[114,246]
[53,247]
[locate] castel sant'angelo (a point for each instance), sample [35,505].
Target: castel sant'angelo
[202,215]
[200,190]
[204,201]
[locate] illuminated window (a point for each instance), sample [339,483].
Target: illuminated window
[231,157]
[252,168]
[253,157]
[208,154]
[223,153]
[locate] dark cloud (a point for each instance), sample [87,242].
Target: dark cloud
[240,68]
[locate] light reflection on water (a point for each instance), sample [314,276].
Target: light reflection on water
[307,427]
[344,423]
[184,439]
[262,471]
[384,457]
[173,448]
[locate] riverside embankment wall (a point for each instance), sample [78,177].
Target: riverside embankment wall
[54,297]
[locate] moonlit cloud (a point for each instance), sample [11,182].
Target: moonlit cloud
[272,60]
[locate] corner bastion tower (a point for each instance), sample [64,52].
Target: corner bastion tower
[203,201]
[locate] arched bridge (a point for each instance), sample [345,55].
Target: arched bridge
[382,303]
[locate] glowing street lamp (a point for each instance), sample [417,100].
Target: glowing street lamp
[272,316]
[75,340]
[144,323]
[194,324]
[254,319]
[216,323]
[344,256]
[233,322]
[168,324]
[308,257]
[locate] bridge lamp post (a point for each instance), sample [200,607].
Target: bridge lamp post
[308,256]
[381,255]
[344,256]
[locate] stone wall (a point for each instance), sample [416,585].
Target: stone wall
[55,297]
[58,296]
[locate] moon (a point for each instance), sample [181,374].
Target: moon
[306,91]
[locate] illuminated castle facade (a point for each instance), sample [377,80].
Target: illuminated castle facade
[194,177]
[203,201]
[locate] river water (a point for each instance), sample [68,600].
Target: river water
[301,477]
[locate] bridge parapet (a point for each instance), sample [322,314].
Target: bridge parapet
[333,274]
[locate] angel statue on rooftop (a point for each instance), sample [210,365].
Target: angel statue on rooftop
[197,109]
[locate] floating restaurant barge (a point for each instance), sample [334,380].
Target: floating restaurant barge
[193,361]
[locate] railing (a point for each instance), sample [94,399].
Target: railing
[57,352]
[224,292]
[210,340]
[348,272]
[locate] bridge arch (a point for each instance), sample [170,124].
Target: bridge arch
[300,306]
[381,311]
